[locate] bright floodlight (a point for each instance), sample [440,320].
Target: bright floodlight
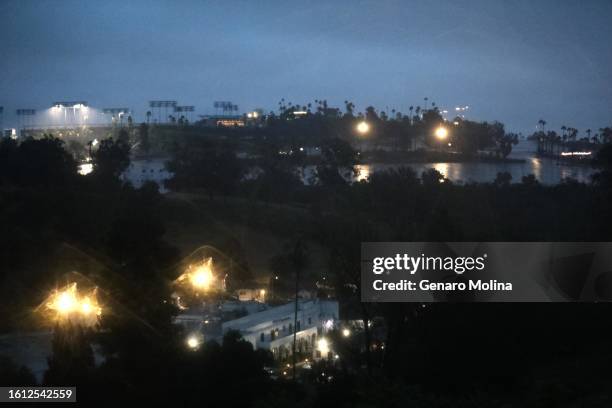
[363,127]
[86,306]
[193,342]
[323,346]
[66,302]
[441,133]
[201,276]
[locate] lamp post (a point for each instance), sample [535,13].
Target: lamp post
[362,128]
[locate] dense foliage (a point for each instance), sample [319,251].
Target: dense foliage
[434,355]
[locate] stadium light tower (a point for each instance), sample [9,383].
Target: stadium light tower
[66,106]
[117,113]
[185,109]
[162,104]
[25,117]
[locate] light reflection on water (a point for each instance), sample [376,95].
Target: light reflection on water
[85,168]
[362,172]
[546,170]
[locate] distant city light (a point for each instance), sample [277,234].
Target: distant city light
[576,153]
[441,133]
[363,127]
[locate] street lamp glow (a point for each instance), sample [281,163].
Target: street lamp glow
[323,346]
[441,133]
[193,342]
[363,127]
[346,332]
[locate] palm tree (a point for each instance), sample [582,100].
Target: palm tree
[542,124]
[606,134]
[573,134]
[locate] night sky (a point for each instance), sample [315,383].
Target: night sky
[513,61]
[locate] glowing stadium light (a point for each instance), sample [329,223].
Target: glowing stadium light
[70,104]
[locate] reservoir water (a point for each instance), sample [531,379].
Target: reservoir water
[546,170]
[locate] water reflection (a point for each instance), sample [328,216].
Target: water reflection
[442,168]
[536,165]
[85,168]
[362,172]
[547,171]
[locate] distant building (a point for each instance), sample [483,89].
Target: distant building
[273,329]
[146,170]
[12,133]
[223,121]
[256,294]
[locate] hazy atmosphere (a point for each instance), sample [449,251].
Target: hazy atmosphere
[510,61]
[330,204]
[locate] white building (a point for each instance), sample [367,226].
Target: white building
[273,329]
[141,171]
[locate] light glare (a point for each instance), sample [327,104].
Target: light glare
[441,133]
[363,127]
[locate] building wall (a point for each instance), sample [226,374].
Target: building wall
[273,329]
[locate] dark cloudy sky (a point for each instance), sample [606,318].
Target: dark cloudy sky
[513,61]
